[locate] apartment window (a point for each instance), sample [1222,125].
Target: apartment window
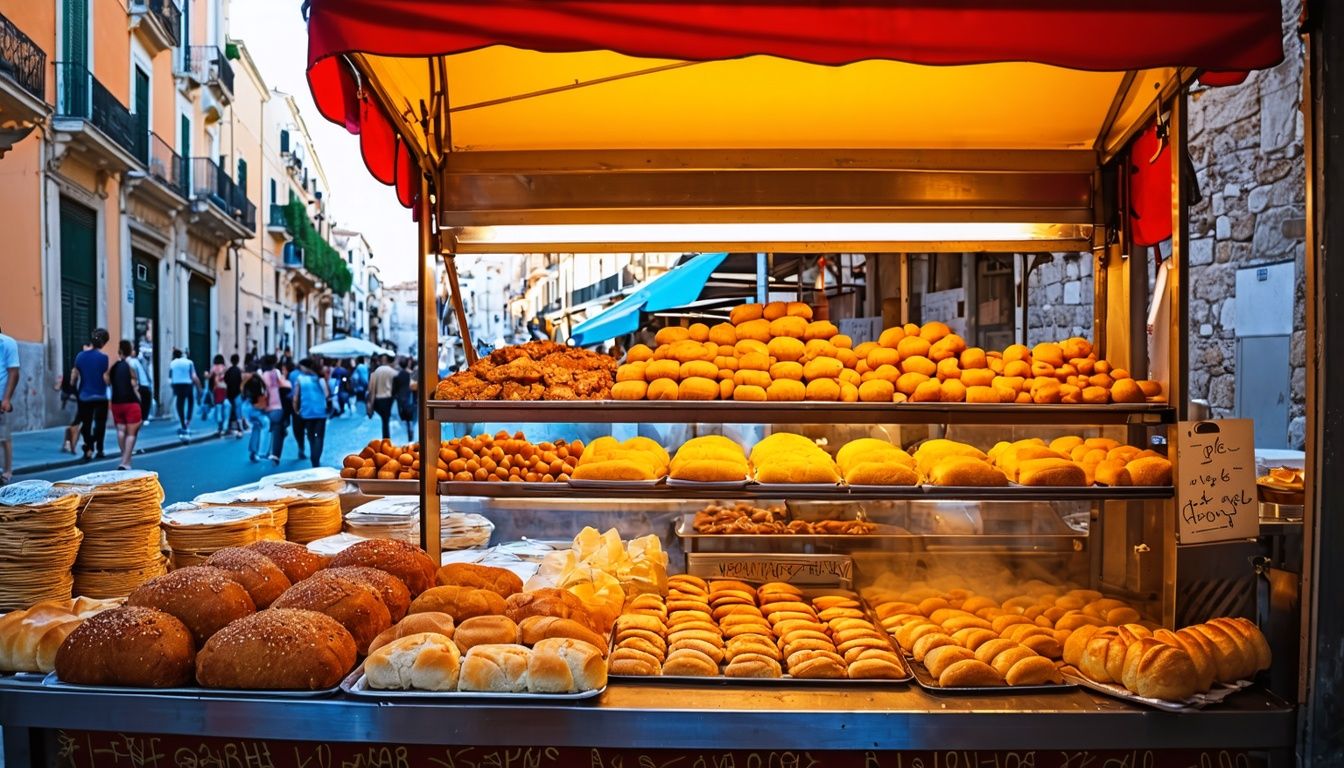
[284,140]
[277,285]
[242,174]
[350,256]
[274,200]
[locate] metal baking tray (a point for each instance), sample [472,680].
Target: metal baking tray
[51,681]
[784,489]
[615,485]
[374,487]
[928,683]
[686,530]
[354,684]
[1219,692]
[709,485]
[1049,492]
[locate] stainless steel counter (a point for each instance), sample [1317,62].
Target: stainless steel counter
[659,716]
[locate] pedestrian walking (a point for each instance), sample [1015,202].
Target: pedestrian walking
[289,378]
[256,404]
[380,394]
[88,378]
[146,384]
[124,382]
[9,381]
[311,404]
[359,380]
[70,393]
[182,376]
[219,394]
[233,388]
[340,386]
[275,412]
[403,393]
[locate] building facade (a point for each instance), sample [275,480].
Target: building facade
[353,319]
[136,140]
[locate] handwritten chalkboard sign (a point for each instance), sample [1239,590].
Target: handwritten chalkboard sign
[1215,481]
[803,570]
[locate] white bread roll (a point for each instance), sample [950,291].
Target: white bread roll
[495,668]
[565,665]
[426,661]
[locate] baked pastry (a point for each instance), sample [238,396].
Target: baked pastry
[1156,670]
[690,663]
[1150,470]
[128,646]
[461,603]
[425,661]
[415,623]
[501,581]
[391,590]
[546,602]
[297,561]
[278,649]
[1051,472]
[966,471]
[205,599]
[969,673]
[1033,670]
[565,665]
[485,630]
[405,561]
[534,629]
[358,607]
[939,659]
[753,665]
[881,473]
[29,638]
[261,577]
[495,668]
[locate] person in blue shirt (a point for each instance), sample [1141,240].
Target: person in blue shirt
[359,380]
[9,380]
[88,377]
[310,405]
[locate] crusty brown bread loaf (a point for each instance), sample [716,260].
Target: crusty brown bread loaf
[393,592]
[205,599]
[1051,472]
[297,561]
[1156,670]
[461,603]
[426,661]
[565,665]
[128,646]
[547,602]
[405,561]
[1150,470]
[414,624]
[261,577]
[358,607]
[278,649]
[534,629]
[485,630]
[501,581]
[495,668]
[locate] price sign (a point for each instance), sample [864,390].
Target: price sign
[803,570]
[1215,481]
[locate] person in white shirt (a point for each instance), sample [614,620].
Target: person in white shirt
[9,380]
[182,376]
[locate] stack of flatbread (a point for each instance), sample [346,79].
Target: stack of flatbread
[39,541]
[315,479]
[272,497]
[314,517]
[398,517]
[194,532]
[120,521]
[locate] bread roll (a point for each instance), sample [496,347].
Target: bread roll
[277,649]
[495,668]
[30,638]
[204,599]
[1156,670]
[461,603]
[1150,470]
[1205,669]
[1051,472]
[969,673]
[415,623]
[501,581]
[485,630]
[1033,670]
[129,646]
[690,663]
[1232,662]
[405,561]
[565,665]
[425,661]
[263,579]
[966,471]
[753,665]
[358,607]
[881,473]
[939,659]
[390,589]
[295,560]
[534,629]
[547,602]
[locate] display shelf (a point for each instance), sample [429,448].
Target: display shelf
[504,490]
[734,412]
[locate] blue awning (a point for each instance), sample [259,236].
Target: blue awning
[676,288]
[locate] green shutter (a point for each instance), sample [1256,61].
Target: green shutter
[79,278]
[75,33]
[242,175]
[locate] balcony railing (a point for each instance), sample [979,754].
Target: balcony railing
[166,165]
[207,65]
[211,183]
[276,218]
[604,287]
[293,255]
[169,15]
[22,60]
[79,94]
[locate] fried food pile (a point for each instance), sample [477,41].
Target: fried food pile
[537,370]
[743,518]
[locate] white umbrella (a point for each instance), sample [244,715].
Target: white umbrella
[347,347]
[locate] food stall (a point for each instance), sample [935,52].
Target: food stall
[790,128]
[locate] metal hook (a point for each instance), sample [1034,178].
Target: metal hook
[1163,132]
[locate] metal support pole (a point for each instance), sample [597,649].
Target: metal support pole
[427,258]
[455,296]
[1178,280]
[762,279]
[905,288]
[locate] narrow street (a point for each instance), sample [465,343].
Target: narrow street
[215,464]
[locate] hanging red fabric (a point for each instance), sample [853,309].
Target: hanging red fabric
[377,141]
[1150,187]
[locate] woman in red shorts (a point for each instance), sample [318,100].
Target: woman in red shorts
[125,402]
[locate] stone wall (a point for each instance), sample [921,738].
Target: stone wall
[1246,145]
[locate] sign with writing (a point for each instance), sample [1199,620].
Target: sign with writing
[861,329]
[812,570]
[93,749]
[1216,498]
